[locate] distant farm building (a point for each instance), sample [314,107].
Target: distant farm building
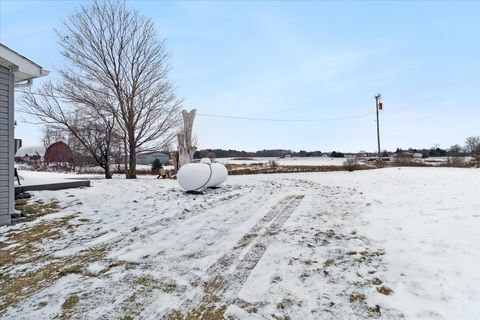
[147,158]
[30,154]
[59,152]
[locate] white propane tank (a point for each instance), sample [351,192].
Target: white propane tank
[197,176]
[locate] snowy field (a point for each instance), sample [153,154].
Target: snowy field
[396,243]
[319,161]
[289,161]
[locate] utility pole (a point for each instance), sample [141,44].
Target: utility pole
[378,106]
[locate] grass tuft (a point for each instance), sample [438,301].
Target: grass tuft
[385,290]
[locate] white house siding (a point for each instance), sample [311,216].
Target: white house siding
[6,145]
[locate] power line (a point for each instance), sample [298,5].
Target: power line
[251,118]
[286,120]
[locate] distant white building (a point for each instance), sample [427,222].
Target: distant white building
[147,158]
[30,153]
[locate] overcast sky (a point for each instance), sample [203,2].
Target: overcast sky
[299,60]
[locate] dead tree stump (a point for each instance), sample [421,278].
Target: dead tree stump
[185,148]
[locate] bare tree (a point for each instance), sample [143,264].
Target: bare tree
[90,124]
[455,158]
[52,133]
[114,51]
[472,144]
[455,150]
[81,156]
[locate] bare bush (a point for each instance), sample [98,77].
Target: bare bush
[403,157]
[273,163]
[350,164]
[458,162]
[381,164]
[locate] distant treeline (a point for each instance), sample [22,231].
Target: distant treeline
[230,153]
[220,153]
[427,153]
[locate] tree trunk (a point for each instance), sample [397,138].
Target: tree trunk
[125,156]
[183,151]
[108,173]
[174,156]
[132,163]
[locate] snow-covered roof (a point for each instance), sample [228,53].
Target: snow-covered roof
[31,150]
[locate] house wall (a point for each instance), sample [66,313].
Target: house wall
[6,145]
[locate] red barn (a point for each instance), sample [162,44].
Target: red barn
[58,152]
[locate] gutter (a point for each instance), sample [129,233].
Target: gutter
[27,83]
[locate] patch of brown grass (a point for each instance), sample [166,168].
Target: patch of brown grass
[68,305]
[385,290]
[21,248]
[285,303]
[15,289]
[374,311]
[328,263]
[36,209]
[357,297]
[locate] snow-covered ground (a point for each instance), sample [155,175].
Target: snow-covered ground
[28,178]
[396,243]
[90,170]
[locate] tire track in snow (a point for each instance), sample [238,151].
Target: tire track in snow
[227,276]
[145,230]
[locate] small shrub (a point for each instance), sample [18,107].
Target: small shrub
[156,166]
